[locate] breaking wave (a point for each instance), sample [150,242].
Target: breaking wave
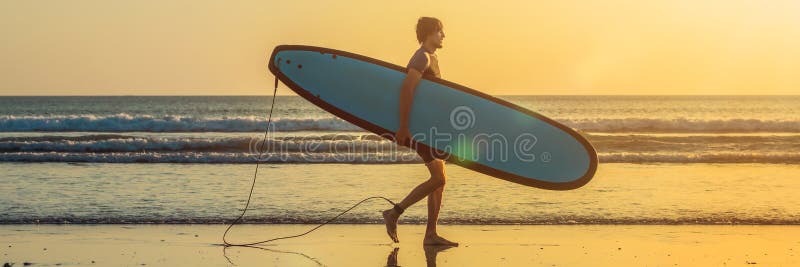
[174,123]
[147,123]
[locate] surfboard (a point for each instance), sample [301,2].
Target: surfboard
[475,130]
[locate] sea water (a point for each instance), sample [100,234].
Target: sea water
[663,159]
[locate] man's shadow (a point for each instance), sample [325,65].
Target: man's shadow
[430,255]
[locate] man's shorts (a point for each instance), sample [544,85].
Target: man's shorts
[429,154]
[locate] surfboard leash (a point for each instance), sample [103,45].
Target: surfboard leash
[253,185]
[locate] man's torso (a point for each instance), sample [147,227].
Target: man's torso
[419,59]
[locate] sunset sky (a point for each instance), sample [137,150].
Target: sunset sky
[499,47]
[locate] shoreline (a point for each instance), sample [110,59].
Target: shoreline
[368,245]
[441,222]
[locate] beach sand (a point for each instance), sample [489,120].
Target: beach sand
[368,245]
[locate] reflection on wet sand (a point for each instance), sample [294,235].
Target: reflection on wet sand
[431,252]
[225,248]
[430,255]
[391,261]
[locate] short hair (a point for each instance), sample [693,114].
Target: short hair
[426,26]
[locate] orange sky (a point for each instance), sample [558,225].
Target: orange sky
[513,47]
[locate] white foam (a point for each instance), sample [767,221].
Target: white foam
[683,125]
[397,157]
[146,123]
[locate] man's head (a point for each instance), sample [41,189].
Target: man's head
[431,31]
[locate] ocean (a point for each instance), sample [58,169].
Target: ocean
[189,159]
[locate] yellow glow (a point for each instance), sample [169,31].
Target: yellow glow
[514,47]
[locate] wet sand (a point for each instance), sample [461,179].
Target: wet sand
[368,245]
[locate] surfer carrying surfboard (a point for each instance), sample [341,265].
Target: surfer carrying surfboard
[424,62]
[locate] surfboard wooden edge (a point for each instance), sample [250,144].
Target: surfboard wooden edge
[475,166]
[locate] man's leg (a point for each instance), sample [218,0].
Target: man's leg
[437,179]
[434,205]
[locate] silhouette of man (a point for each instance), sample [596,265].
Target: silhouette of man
[423,63]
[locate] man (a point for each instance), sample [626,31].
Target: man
[430,34]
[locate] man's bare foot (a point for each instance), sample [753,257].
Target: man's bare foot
[436,240]
[390,219]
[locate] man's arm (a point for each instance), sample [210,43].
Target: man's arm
[406,98]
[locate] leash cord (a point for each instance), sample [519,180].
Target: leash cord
[252,187]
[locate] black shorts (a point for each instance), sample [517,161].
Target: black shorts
[429,154]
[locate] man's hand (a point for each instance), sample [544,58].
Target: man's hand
[402,137]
